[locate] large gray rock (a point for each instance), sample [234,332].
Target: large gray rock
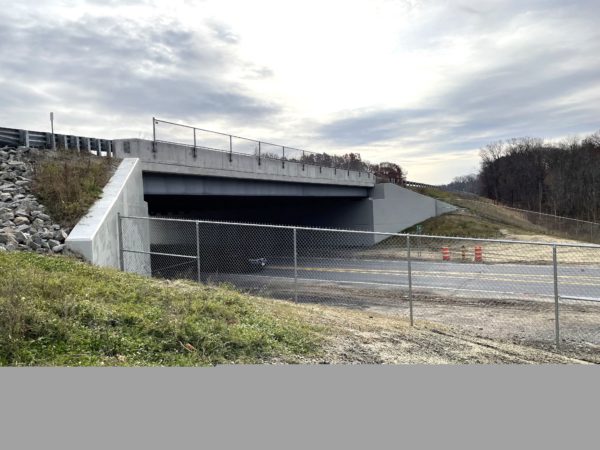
[6,216]
[53,243]
[7,239]
[21,220]
[38,223]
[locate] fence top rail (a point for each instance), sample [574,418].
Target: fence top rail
[379,233]
[308,152]
[529,211]
[584,299]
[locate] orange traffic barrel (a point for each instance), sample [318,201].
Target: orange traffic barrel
[445,254]
[478,254]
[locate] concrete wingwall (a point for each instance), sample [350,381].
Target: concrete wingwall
[389,209]
[396,208]
[95,236]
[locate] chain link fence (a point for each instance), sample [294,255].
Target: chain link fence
[581,230]
[528,292]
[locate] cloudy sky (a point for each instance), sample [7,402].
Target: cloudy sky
[424,83]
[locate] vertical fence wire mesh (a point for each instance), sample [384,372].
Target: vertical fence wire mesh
[579,298]
[489,288]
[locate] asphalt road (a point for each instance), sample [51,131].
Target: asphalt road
[499,279]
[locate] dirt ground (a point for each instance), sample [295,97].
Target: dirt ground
[361,337]
[373,325]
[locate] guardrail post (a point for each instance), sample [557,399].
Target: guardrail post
[230,148]
[303,159]
[259,153]
[556,297]
[198,251]
[120,234]
[283,158]
[409,270]
[49,141]
[24,138]
[295,265]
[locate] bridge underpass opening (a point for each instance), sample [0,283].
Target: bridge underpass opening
[226,245]
[324,212]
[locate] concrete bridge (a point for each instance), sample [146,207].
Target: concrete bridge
[198,182]
[262,183]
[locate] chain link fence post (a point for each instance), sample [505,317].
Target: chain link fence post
[120,234]
[198,251]
[295,265]
[556,323]
[409,269]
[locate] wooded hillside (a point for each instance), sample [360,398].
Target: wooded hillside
[557,178]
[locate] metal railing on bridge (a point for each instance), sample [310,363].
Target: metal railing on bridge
[202,139]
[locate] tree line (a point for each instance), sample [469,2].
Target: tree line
[558,178]
[385,171]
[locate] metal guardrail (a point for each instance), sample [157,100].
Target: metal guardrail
[41,139]
[202,139]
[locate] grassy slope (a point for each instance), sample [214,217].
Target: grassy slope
[57,311]
[480,218]
[68,183]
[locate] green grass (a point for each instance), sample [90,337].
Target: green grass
[58,311]
[486,213]
[461,225]
[68,183]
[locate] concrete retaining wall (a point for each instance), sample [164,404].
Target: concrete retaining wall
[96,235]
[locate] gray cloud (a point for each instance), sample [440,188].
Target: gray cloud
[529,88]
[123,67]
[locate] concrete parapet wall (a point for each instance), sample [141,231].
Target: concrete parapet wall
[180,159]
[96,235]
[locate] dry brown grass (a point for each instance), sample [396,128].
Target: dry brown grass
[68,183]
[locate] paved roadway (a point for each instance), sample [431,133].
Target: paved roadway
[478,279]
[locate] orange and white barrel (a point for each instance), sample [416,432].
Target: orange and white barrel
[478,254]
[445,254]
